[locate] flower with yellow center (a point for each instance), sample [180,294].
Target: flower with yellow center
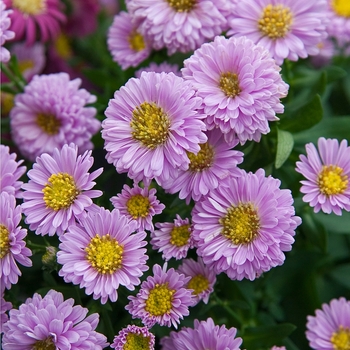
[136,41]
[203,159]
[159,301]
[341,339]
[332,180]
[180,235]
[138,206]
[341,7]
[30,7]
[182,5]
[229,84]
[45,344]
[48,123]
[4,241]
[136,342]
[134,338]
[198,283]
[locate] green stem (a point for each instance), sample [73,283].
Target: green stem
[36,246]
[13,78]
[228,309]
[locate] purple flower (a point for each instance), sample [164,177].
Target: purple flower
[286,28]
[59,190]
[162,299]
[138,204]
[135,338]
[327,173]
[103,252]
[13,248]
[330,328]
[150,124]
[278,348]
[243,226]
[5,33]
[50,113]
[339,21]
[4,307]
[162,67]
[50,322]
[127,46]
[240,85]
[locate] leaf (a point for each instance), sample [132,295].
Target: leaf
[334,73]
[285,143]
[341,275]
[335,223]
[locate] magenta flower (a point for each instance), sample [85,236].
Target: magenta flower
[162,299]
[150,124]
[50,322]
[5,33]
[173,239]
[159,68]
[10,172]
[133,337]
[4,307]
[50,113]
[59,190]
[139,204]
[327,173]
[339,21]
[101,253]
[330,328]
[286,28]
[240,85]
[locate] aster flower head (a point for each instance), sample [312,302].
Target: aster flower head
[327,173]
[162,299]
[134,337]
[101,253]
[150,124]
[286,28]
[139,204]
[329,329]
[4,307]
[50,322]
[173,239]
[5,33]
[244,226]
[128,47]
[59,190]
[52,112]
[339,21]
[240,85]
[159,68]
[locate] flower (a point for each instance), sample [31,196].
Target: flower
[278,348]
[10,172]
[162,67]
[133,337]
[150,124]
[243,226]
[173,240]
[339,21]
[50,113]
[330,328]
[327,173]
[5,33]
[240,85]
[31,18]
[59,190]
[4,306]
[162,299]
[327,52]
[50,322]
[101,253]
[215,161]
[202,279]
[286,28]
[138,204]
[128,47]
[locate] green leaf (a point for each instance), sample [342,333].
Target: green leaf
[334,73]
[335,223]
[341,275]
[285,143]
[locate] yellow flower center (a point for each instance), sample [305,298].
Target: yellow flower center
[203,159]
[180,235]
[4,241]
[138,206]
[182,5]
[160,300]
[62,46]
[46,344]
[60,192]
[30,7]
[6,102]
[150,125]
[49,123]
[105,254]
[241,223]
[199,284]
[275,21]
[136,41]
[341,339]
[229,84]
[136,342]
[341,7]
[25,64]
[331,180]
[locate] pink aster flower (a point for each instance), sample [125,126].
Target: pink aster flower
[330,328]
[215,161]
[139,204]
[159,68]
[32,18]
[10,172]
[13,248]
[52,112]
[59,190]
[50,322]
[240,85]
[327,173]
[101,253]
[4,307]
[339,21]
[286,28]
[173,239]
[133,337]
[162,299]
[243,226]
[150,124]
[327,52]
[5,33]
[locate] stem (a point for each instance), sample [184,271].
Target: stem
[228,309]
[13,78]
[36,246]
